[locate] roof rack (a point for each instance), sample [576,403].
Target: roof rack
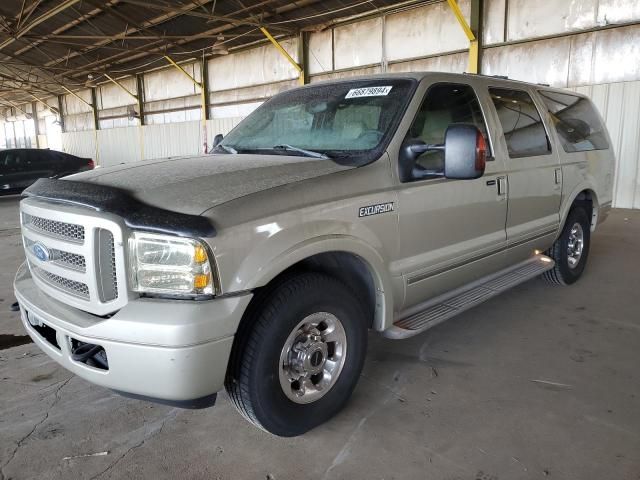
[501,77]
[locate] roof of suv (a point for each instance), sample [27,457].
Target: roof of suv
[495,80]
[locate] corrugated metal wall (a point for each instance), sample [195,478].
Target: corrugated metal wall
[619,104]
[82,143]
[592,45]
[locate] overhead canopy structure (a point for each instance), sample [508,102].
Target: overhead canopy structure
[49,46]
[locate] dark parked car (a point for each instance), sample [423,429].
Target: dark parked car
[20,167]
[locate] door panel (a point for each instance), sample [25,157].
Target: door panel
[448,226]
[534,175]
[17,172]
[41,164]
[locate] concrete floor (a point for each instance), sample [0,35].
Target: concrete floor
[541,382]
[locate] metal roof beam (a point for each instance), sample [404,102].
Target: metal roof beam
[37,21]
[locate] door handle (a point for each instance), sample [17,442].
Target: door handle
[502,186]
[558,176]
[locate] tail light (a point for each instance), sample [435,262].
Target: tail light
[91,164]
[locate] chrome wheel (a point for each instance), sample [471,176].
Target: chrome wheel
[312,357]
[575,245]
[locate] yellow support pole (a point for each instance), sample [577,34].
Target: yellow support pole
[77,96]
[473,56]
[203,95]
[198,84]
[122,87]
[170,60]
[53,109]
[284,54]
[473,40]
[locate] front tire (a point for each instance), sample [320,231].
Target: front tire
[571,250]
[298,354]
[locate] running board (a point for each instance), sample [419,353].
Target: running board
[439,309]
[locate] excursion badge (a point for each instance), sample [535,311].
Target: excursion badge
[375,209]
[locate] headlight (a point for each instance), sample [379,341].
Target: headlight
[170,265]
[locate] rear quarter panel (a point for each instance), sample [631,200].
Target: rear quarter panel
[591,171]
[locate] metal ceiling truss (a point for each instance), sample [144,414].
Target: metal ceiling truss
[49,47]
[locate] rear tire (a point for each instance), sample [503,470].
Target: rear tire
[298,355]
[571,250]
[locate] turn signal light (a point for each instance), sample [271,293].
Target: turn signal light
[481,152]
[199,254]
[200,281]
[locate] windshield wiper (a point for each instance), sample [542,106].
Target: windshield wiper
[308,153]
[228,149]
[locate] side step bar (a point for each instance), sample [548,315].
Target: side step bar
[450,304]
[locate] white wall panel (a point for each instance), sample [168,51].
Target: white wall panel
[320,51]
[79,122]
[220,125]
[423,31]
[346,74]
[358,44]
[119,145]
[252,67]
[237,110]
[616,55]
[493,21]
[618,11]
[543,61]
[172,139]
[110,95]
[619,104]
[605,56]
[82,144]
[171,83]
[247,94]
[73,105]
[548,17]
[454,63]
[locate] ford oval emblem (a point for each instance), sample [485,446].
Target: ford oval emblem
[41,252]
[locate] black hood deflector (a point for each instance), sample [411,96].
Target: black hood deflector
[136,214]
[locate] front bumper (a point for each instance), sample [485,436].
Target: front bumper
[162,349]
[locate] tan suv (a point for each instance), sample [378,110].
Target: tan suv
[386,203]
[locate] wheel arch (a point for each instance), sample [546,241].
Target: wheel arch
[349,259]
[582,195]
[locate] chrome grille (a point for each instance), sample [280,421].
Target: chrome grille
[107,277]
[114,277]
[63,230]
[73,261]
[76,255]
[70,286]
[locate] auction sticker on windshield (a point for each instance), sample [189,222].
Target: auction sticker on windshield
[368,92]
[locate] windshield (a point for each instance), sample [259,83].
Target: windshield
[348,122]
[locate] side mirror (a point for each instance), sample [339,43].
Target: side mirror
[465,155]
[217,139]
[465,152]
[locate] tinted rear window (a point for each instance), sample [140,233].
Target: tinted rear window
[523,130]
[576,121]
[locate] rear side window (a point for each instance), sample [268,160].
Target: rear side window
[13,160]
[576,121]
[521,123]
[444,104]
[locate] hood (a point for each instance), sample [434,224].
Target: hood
[195,184]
